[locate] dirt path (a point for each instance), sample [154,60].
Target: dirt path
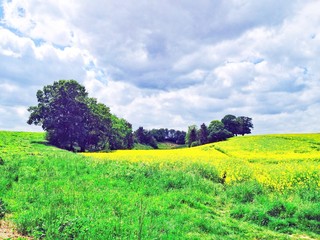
[7,232]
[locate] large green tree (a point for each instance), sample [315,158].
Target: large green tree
[244,125]
[191,136]
[230,123]
[145,137]
[71,119]
[203,134]
[217,131]
[122,136]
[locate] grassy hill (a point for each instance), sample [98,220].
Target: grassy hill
[253,187]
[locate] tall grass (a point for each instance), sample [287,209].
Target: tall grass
[53,194]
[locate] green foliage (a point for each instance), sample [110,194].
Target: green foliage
[76,122]
[230,123]
[237,125]
[54,194]
[310,212]
[3,209]
[245,192]
[166,135]
[144,137]
[191,135]
[281,209]
[195,143]
[217,131]
[229,126]
[203,134]
[169,145]
[121,134]
[139,146]
[244,125]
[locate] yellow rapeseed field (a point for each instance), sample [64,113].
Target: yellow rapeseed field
[280,161]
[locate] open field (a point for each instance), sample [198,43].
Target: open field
[279,162]
[254,187]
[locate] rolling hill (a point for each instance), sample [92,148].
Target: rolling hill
[252,187]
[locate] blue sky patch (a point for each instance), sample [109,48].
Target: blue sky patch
[1,12]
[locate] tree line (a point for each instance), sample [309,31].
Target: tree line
[74,121]
[154,136]
[229,126]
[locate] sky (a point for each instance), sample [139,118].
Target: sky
[167,63]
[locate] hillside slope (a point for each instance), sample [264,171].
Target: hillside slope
[226,190]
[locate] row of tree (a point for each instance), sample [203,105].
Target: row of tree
[76,122]
[154,136]
[229,126]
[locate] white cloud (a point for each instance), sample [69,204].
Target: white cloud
[168,64]
[45,21]
[14,118]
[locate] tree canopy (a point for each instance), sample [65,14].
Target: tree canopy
[145,137]
[217,130]
[191,136]
[230,123]
[76,122]
[244,125]
[203,134]
[168,135]
[237,125]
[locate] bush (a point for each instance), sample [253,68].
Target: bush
[1,161]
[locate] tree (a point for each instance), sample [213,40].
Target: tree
[217,131]
[181,136]
[97,130]
[159,134]
[165,135]
[145,137]
[230,123]
[203,134]
[121,134]
[71,119]
[191,135]
[139,135]
[244,125]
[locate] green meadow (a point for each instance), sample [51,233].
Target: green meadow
[252,187]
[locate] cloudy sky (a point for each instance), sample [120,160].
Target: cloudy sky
[167,63]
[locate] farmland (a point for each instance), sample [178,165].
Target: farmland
[253,187]
[279,162]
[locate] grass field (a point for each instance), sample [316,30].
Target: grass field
[253,187]
[279,162]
